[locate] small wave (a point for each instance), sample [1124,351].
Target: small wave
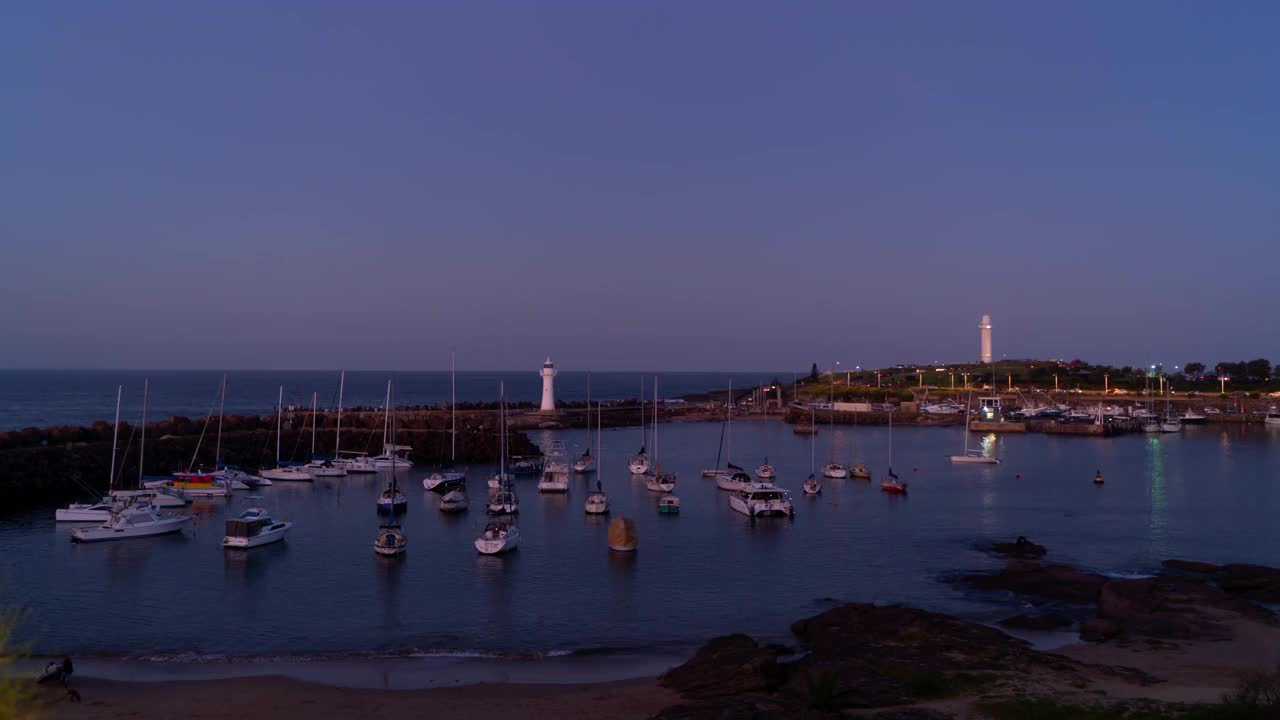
[1122,575]
[199,658]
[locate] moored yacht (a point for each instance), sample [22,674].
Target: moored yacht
[443,482]
[639,463]
[454,500]
[765,471]
[761,499]
[390,539]
[254,527]
[812,485]
[835,471]
[733,481]
[140,519]
[555,471]
[597,503]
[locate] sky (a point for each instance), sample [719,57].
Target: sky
[631,185]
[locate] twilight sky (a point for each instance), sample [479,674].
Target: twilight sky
[625,185]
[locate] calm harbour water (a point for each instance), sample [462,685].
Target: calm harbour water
[1205,494]
[41,398]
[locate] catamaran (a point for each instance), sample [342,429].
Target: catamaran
[761,499]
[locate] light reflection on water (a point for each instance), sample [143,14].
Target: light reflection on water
[1203,494]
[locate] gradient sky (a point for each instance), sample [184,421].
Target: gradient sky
[709,185]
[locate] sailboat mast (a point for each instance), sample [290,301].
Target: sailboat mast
[644,435]
[453,406]
[813,437]
[115,435]
[502,427]
[313,425]
[655,423]
[728,445]
[222,407]
[966,422]
[142,443]
[279,415]
[386,416]
[337,436]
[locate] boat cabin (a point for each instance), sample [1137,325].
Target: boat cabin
[989,409]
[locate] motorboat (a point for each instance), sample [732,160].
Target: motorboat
[812,485]
[1171,425]
[1212,411]
[1272,417]
[765,471]
[860,472]
[390,539]
[733,482]
[711,472]
[760,499]
[555,472]
[504,502]
[498,537]
[525,465]
[391,458]
[86,512]
[235,474]
[254,527]
[140,519]
[668,505]
[200,484]
[454,500]
[944,408]
[836,471]
[586,463]
[1151,425]
[443,482]
[356,463]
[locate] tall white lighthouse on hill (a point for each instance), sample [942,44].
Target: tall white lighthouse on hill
[548,373]
[984,327]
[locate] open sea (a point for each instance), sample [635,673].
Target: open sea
[1208,493]
[41,398]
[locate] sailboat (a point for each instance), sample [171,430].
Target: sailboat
[391,457]
[1170,423]
[392,500]
[597,503]
[891,484]
[733,478]
[812,485]
[972,456]
[101,510]
[449,481]
[282,471]
[138,518]
[719,450]
[504,501]
[498,537]
[390,540]
[832,469]
[658,480]
[765,471]
[328,466]
[1150,423]
[585,463]
[639,463]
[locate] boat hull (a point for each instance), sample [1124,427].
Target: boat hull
[973,460]
[104,534]
[273,534]
[763,509]
[286,475]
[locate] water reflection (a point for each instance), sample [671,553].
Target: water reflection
[1156,484]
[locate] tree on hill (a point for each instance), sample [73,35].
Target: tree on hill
[813,373]
[1193,368]
[1259,369]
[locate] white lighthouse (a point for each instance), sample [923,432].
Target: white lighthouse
[984,327]
[548,373]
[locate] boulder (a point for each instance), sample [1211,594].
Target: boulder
[728,665]
[1047,621]
[1031,577]
[1021,547]
[1191,566]
[1174,607]
[1256,582]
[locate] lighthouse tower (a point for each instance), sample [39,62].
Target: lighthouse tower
[548,374]
[984,327]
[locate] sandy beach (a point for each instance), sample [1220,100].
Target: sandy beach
[278,697]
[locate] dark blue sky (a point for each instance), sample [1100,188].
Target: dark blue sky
[710,185]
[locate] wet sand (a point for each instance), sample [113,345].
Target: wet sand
[277,697]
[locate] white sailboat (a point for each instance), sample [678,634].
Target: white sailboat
[498,537]
[891,484]
[504,501]
[812,485]
[1171,423]
[832,469]
[391,457]
[447,481]
[328,466]
[139,518]
[733,478]
[972,456]
[101,510]
[392,500]
[585,463]
[287,473]
[639,463]
[454,501]
[597,503]
[659,480]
